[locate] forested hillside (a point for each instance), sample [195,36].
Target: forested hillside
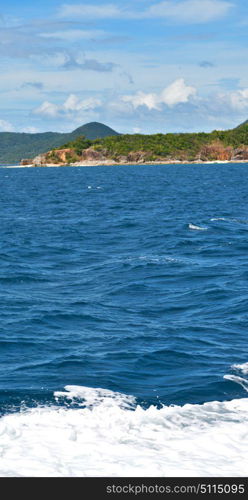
[16,146]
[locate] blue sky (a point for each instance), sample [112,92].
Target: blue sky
[138,66]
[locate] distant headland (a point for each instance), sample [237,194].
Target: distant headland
[120,149]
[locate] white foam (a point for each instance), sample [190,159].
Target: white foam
[93,397]
[243,368]
[218,218]
[156,259]
[106,437]
[238,380]
[151,259]
[230,219]
[197,228]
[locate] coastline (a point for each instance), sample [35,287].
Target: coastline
[112,163]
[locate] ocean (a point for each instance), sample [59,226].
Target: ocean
[124,318]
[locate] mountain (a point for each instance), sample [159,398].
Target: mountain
[16,146]
[93,130]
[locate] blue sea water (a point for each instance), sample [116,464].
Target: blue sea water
[127,278]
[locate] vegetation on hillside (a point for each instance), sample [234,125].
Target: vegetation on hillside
[101,142]
[16,146]
[183,146]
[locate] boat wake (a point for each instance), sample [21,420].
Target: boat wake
[108,434]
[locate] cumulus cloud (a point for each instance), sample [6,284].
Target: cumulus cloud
[176,93]
[220,105]
[72,106]
[184,11]
[6,126]
[239,99]
[151,101]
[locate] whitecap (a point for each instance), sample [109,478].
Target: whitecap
[243,368]
[218,218]
[238,380]
[197,228]
[95,397]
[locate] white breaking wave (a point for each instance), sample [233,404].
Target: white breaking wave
[197,228]
[218,218]
[242,368]
[108,436]
[230,219]
[238,380]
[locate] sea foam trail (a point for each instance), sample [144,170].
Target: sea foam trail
[109,436]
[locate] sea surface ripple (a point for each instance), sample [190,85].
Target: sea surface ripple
[129,279]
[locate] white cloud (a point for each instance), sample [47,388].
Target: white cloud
[48,109]
[30,130]
[73,103]
[151,101]
[74,34]
[90,11]
[239,99]
[176,93]
[190,11]
[71,107]
[182,11]
[6,126]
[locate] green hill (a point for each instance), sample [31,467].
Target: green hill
[16,146]
[218,145]
[93,130]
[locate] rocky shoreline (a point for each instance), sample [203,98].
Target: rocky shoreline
[96,156]
[111,163]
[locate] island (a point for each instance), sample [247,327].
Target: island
[128,149]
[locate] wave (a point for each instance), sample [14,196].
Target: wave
[229,219]
[218,218]
[242,369]
[108,434]
[197,228]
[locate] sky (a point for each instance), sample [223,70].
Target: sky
[139,66]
